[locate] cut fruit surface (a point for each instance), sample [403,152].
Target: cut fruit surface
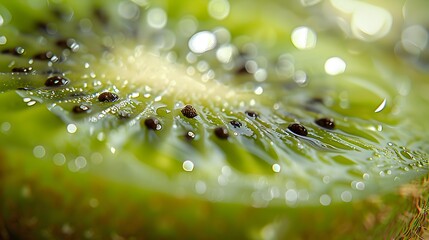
[164,102]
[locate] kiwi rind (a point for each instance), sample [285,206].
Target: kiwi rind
[366,140]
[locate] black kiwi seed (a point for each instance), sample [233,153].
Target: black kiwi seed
[236,124]
[81,109]
[22,69]
[327,123]
[298,129]
[252,114]
[46,56]
[68,43]
[189,135]
[221,132]
[101,15]
[189,111]
[108,97]
[17,51]
[152,124]
[25,88]
[56,81]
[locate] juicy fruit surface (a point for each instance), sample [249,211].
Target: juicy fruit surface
[118,83]
[162,97]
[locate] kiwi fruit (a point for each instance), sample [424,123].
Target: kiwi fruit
[213,119]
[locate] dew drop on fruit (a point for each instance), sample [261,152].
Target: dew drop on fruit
[325,200]
[276,167]
[3,40]
[298,129]
[59,159]
[291,196]
[335,66]
[5,127]
[156,18]
[346,196]
[202,42]
[39,151]
[71,128]
[304,38]
[200,187]
[218,9]
[128,10]
[108,97]
[188,166]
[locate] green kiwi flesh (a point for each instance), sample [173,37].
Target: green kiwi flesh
[110,131]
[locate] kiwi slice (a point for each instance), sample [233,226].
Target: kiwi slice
[138,119]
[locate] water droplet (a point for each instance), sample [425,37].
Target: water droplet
[415,39]
[225,53]
[3,40]
[188,166]
[108,97]
[370,22]
[381,106]
[300,77]
[335,66]
[59,159]
[325,200]
[221,132]
[260,75]
[308,3]
[156,18]
[291,196]
[189,111]
[39,151]
[298,129]
[71,128]
[93,202]
[202,42]
[200,187]
[304,38]
[80,162]
[219,9]
[346,196]
[128,10]
[276,167]
[5,127]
